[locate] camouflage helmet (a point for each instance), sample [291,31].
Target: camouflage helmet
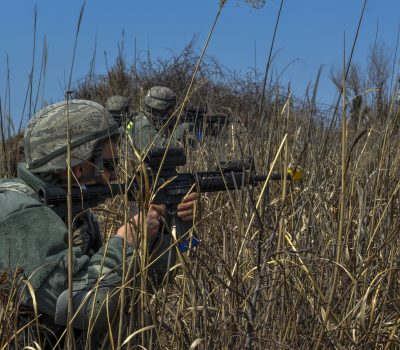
[117,103]
[160,98]
[46,134]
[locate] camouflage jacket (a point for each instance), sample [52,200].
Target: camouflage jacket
[35,240]
[144,133]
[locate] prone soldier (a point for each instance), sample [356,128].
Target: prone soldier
[34,238]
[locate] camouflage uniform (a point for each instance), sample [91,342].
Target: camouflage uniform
[118,106]
[147,129]
[35,239]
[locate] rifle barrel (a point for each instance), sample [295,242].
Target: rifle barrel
[275,176]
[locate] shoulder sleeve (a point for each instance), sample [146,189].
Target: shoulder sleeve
[144,134]
[32,236]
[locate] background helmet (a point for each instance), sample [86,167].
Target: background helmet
[117,104]
[45,136]
[160,99]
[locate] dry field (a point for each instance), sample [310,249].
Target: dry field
[305,265]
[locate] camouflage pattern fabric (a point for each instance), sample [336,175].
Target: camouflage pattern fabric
[32,236]
[34,240]
[117,103]
[45,141]
[17,186]
[160,98]
[183,130]
[144,134]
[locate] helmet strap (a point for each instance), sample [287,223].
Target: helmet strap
[98,169]
[98,164]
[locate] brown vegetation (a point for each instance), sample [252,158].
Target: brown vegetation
[292,265]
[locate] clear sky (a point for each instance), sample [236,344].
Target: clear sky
[311,33]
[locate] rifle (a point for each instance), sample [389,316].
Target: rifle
[169,186]
[204,123]
[83,197]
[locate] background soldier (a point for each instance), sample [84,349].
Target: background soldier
[153,126]
[118,106]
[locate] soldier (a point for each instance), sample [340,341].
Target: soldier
[118,106]
[153,126]
[35,239]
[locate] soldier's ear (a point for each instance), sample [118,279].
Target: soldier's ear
[78,174]
[78,171]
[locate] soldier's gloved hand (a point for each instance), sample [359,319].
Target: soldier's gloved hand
[129,231]
[188,206]
[156,211]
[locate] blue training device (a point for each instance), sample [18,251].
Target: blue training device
[185,245]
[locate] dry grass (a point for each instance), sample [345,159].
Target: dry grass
[290,266]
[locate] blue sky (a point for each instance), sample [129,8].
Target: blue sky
[310,34]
